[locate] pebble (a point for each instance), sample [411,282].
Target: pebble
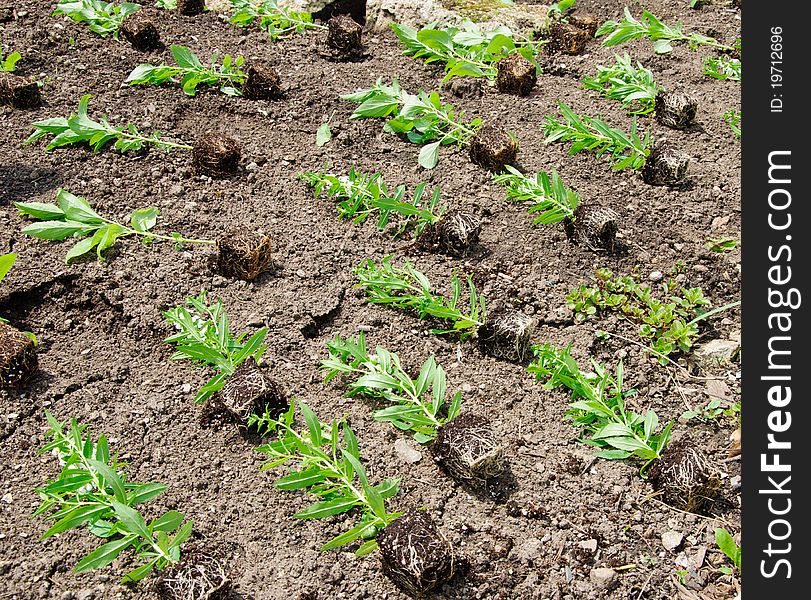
[7,498]
[603,578]
[656,276]
[588,545]
[671,540]
[716,353]
[406,452]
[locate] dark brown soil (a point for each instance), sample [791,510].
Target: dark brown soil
[100,330]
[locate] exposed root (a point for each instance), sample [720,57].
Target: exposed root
[454,234]
[666,165]
[516,75]
[594,226]
[18,356]
[686,478]
[468,450]
[243,254]
[198,576]
[506,334]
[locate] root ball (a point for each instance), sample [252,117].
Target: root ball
[467,449]
[345,36]
[243,254]
[666,165]
[585,21]
[263,82]
[685,477]
[140,31]
[191,7]
[516,75]
[566,38]
[216,155]
[593,225]
[18,356]
[675,109]
[198,576]
[454,234]
[414,554]
[19,92]
[493,148]
[506,334]
[250,391]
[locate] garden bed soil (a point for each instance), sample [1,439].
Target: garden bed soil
[100,329]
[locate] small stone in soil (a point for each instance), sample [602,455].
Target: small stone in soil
[566,38]
[454,234]
[603,578]
[199,574]
[243,254]
[506,334]
[19,92]
[249,391]
[414,554]
[593,225]
[262,83]
[666,165]
[191,7]
[685,477]
[216,155]
[18,356]
[675,109]
[345,35]
[468,450]
[585,21]
[516,75]
[493,148]
[140,31]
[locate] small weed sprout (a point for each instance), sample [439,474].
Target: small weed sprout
[733,119]
[722,244]
[103,18]
[276,20]
[633,86]
[8,64]
[723,67]
[727,545]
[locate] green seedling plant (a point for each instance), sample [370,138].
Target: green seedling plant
[8,64]
[465,51]
[667,320]
[92,491]
[712,411]
[418,405]
[204,336]
[74,217]
[556,10]
[727,545]
[79,128]
[633,86]
[661,34]
[733,119]
[722,244]
[548,194]
[422,118]
[166,4]
[359,196]
[6,262]
[723,67]
[103,18]
[276,20]
[626,151]
[599,407]
[407,288]
[326,462]
[192,73]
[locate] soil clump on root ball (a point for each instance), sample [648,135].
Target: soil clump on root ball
[19,92]
[666,165]
[567,38]
[191,7]
[249,391]
[493,148]
[685,477]
[243,254]
[454,234]
[140,31]
[593,225]
[344,37]
[676,110]
[585,21]
[414,554]
[467,449]
[516,75]
[216,155]
[506,334]
[263,82]
[18,356]
[199,576]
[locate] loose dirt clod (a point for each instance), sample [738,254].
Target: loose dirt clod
[468,450]
[18,356]
[216,155]
[19,92]
[585,21]
[454,234]
[140,31]
[191,7]
[675,109]
[414,554]
[243,254]
[198,576]
[345,36]
[666,165]
[593,225]
[566,38]
[249,391]
[506,334]
[685,477]
[516,75]
[492,148]
[263,82]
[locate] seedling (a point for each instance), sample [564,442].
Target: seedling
[8,64]
[711,411]
[92,491]
[166,4]
[276,20]
[239,386]
[685,478]
[18,349]
[659,33]
[593,134]
[592,224]
[465,51]
[723,67]
[722,244]
[667,320]
[421,118]
[599,407]
[103,18]
[733,119]
[634,87]
[73,216]
[228,75]
[728,546]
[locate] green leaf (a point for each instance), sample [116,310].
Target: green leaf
[144,219]
[429,155]
[40,210]
[6,262]
[77,517]
[323,135]
[132,520]
[57,230]
[146,492]
[727,545]
[76,208]
[319,510]
[111,479]
[80,248]
[356,532]
[185,57]
[300,479]
[168,521]
[366,548]
[313,424]
[139,573]
[104,555]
